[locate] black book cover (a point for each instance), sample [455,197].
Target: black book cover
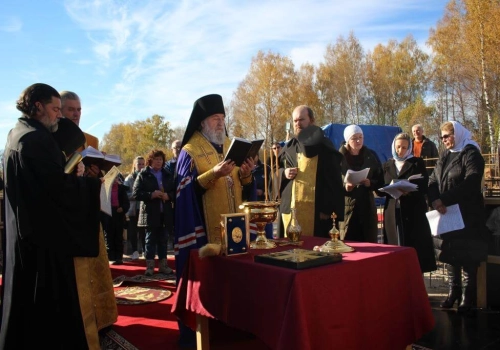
[298,258]
[241,149]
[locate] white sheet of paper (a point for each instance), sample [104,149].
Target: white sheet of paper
[355,177]
[106,187]
[450,221]
[395,188]
[415,177]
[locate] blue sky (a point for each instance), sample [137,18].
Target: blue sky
[131,59]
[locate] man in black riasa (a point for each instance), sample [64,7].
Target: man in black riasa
[51,218]
[311,178]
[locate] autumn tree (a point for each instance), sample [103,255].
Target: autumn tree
[418,113]
[305,91]
[340,82]
[263,101]
[467,66]
[177,133]
[397,74]
[138,138]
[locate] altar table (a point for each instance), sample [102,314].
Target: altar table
[374,299]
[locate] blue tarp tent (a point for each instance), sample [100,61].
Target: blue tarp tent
[376,137]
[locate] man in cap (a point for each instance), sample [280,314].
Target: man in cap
[207,186]
[311,178]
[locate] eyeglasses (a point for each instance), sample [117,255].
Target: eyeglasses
[444,137]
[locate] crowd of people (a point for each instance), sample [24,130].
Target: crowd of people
[61,267]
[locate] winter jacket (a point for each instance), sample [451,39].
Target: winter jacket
[459,182]
[360,202]
[150,210]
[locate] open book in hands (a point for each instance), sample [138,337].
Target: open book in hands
[105,162]
[241,149]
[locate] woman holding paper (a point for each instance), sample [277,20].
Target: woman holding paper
[405,222]
[360,215]
[457,180]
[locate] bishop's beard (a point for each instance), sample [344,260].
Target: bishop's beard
[214,136]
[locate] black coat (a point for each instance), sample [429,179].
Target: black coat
[51,217]
[150,214]
[459,182]
[360,218]
[415,228]
[329,194]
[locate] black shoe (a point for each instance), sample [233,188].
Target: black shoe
[455,294]
[468,301]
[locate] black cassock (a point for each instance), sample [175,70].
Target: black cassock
[329,195]
[50,218]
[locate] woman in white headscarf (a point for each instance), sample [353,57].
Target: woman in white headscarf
[457,180]
[405,222]
[360,214]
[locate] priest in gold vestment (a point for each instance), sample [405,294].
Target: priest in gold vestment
[207,186]
[311,178]
[93,276]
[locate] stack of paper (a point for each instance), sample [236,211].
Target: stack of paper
[415,177]
[442,223]
[396,189]
[355,177]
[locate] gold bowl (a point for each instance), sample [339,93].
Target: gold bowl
[261,213]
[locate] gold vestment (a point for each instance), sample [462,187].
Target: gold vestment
[95,286]
[224,194]
[303,194]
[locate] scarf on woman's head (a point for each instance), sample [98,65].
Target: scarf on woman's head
[406,156]
[462,137]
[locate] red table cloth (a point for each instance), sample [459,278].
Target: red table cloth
[374,299]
